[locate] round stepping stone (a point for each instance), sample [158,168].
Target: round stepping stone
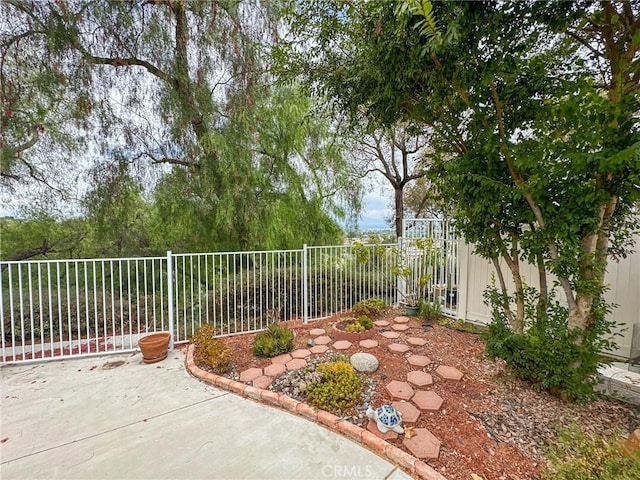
[284,358]
[401,320]
[319,349]
[399,327]
[296,363]
[419,379]
[342,344]
[429,401]
[323,340]
[449,373]
[423,444]
[409,412]
[373,428]
[418,360]
[250,374]
[316,332]
[275,369]
[390,335]
[381,323]
[398,347]
[368,343]
[364,362]
[300,353]
[399,390]
[418,342]
[262,382]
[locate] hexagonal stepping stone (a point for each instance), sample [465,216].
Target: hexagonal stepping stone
[423,445]
[300,353]
[390,335]
[319,349]
[250,374]
[449,373]
[399,390]
[284,358]
[419,379]
[275,369]
[399,327]
[296,363]
[429,401]
[323,340]
[398,347]
[316,332]
[418,342]
[373,428]
[381,323]
[368,343]
[401,320]
[262,381]
[418,360]
[342,344]
[408,410]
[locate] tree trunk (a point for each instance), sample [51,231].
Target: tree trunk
[399,203]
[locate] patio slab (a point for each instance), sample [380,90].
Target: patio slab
[342,345]
[322,340]
[416,341]
[409,412]
[319,349]
[418,360]
[423,445]
[419,379]
[400,327]
[449,373]
[390,335]
[399,390]
[429,401]
[398,347]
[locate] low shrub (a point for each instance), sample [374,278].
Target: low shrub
[430,311]
[365,321]
[354,327]
[371,307]
[211,352]
[273,341]
[338,389]
[576,456]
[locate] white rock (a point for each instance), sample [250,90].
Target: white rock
[364,362]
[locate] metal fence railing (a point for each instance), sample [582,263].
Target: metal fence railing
[68,308]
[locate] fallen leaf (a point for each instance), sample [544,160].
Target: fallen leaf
[409,432]
[476,477]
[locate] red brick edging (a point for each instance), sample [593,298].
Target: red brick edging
[333,422]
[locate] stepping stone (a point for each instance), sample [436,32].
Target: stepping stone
[418,342]
[401,320]
[284,358]
[429,401]
[275,369]
[250,374]
[300,353]
[419,379]
[449,373]
[342,344]
[373,428]
[262,382]
[319,349]
[381,323]
[296,363]
[323,340]
[398,327]
[423,445]
[409,412]
[418,360]
[398,347]
[368,343]
[390,335]
[399,390]
[364,362]
[316,332]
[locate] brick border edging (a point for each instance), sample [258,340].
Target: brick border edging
[326,419]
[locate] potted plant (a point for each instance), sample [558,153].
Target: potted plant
[155,347]
[353,329]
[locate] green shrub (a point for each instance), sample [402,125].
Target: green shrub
[211,352]
[430,311]
[371,307]
[365,321]
[273,341]
[338,389]
[576,456]
[354,327]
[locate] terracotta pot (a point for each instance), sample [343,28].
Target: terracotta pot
[341,334]
[154,347]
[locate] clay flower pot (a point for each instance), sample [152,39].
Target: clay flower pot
[341,334]
[155,347]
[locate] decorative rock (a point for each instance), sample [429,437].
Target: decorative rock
[449,373]
[310,342]
[319,349]
[373,428]
[399,390]
[275,369]
[418,342]
[368,343]
[419,379]
[409,413]
[386,418]
[316,332]
[381,323]
[429,401]
[399,327]
[296,363]
[300,353]
[342,345]
[390,335]
[364,362]
[323,340]
[250,374]
[284,358]
[398,347]
[419,360]
[423,445]
[262,382]
[401,320]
